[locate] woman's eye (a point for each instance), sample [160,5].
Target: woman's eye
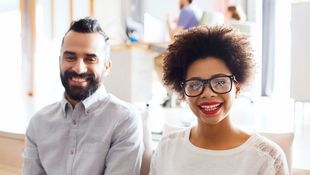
[195,86]
[220,82]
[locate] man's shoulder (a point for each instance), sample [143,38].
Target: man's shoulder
[120,107]
[121,113]
[48,111]
[119,104]
[189,9]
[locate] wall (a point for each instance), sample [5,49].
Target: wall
[8,5]
[131,75]
[300,51]
[109,13]
[81,8]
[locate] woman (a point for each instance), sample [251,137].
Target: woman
[234,13]
[208,67]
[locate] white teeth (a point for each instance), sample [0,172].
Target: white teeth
[210,107]
[78,79]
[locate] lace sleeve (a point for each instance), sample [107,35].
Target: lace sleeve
[276,154]
[280,165]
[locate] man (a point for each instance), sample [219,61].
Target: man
[89,131]
[189,17]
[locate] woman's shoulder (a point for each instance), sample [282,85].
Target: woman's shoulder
[267,146]
[272,151]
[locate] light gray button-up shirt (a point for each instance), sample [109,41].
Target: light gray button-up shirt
[102,135]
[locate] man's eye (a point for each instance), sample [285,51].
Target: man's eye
[91,60]
[69,58]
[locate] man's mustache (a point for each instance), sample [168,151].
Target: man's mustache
[70,74]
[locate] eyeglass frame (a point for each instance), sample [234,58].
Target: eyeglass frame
[207,81]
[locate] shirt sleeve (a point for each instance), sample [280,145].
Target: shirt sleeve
[31,163]
[184,19]
[126,150]
[277,163]
[280,165]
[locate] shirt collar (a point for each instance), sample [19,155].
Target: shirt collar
[99,94]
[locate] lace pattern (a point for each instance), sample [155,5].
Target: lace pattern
[266,147]
[174,135]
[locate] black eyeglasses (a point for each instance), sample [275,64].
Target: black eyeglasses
[220,84]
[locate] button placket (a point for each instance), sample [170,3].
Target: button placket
[74,122]
[73,137]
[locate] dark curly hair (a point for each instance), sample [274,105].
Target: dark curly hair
[222,42]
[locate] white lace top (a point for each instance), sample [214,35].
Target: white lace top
[175,155]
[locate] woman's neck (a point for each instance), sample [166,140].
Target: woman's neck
[218,137]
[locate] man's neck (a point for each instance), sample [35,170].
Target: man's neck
[72,102]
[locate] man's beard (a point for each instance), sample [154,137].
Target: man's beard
[79,93]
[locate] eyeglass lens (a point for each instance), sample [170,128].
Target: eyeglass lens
[218,85]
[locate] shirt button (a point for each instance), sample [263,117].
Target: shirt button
[72,151]
[74,122]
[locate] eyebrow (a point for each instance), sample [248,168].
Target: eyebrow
[220,74]
[213,76]
[91,55]
[73,53]
[68,53]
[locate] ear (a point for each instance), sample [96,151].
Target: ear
[107,67]
[238,88]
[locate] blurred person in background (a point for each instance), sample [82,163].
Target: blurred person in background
[234,13]
[189,17]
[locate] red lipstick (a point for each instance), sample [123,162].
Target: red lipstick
[210,108]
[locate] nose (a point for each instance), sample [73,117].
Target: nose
[207,92]
[79,67]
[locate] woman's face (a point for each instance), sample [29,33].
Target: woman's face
[209,107]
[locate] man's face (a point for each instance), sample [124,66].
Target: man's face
[182,3]
[82,64]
